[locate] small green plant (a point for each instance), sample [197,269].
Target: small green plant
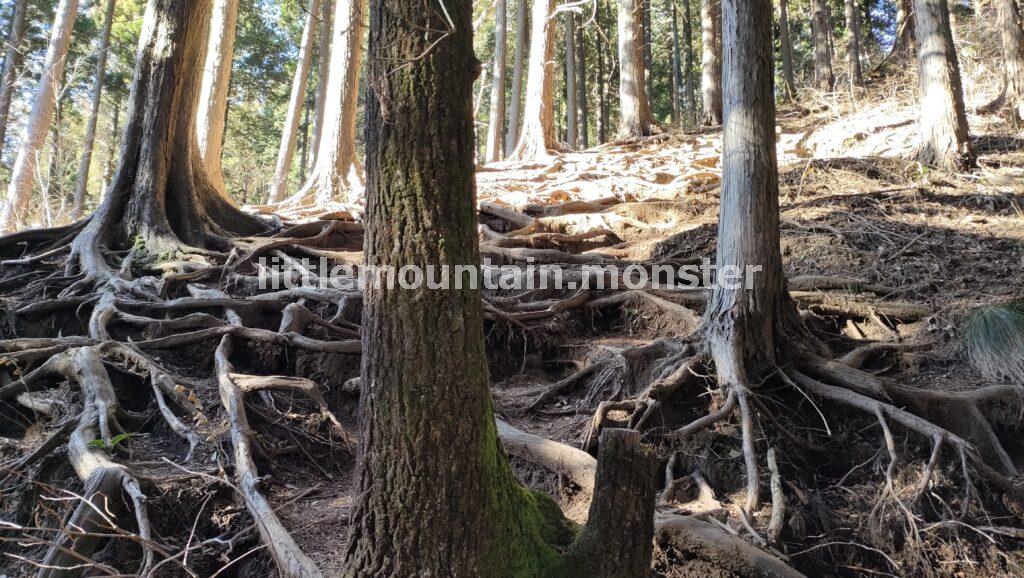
[114,441]
[995,341]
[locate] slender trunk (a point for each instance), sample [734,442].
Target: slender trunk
[648,40]
[304,140]
[82,183]
[853,43]
[944,137]
[516,105]
[634,107]
[1012,32]
[821,31]
[23,177]
[746,323]
[537,134]
[419,400]
[569,36]
[213,95]
[322,74]
[336,172]
[676,67]
[689,79]
[112,140]
[904,27]
[52,183]
[12,61]
[786,44]
[296,103]
[602,104]
[496,119]
[581,88]
[711,72]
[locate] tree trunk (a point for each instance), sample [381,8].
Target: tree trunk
[711,73]
[115,132]
[676,68]
[648,42]
[23,176]
[746,324]
[161,199]
[322,74]
[82,182]
[853,43]
[569,36]
[689,79]
[944,137]
[904,27]
[1012,33]
[296,104]
[336,172]
[418,399]
[516,106]
[496,119]
[602,90]
[634,107]
[12,61]
[581,88]
[537,134]
[786,44]
[213,95]
[821,31]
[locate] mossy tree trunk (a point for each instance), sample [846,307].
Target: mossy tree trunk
[944,138]
[423,509]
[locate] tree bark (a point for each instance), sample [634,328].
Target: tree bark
[516,105]
[537,134]
[296,104]
[648,43]
[944,137]
[853,43]
[689,79]
[602,84]
[336,172]
[634,107]
[582,103]
[418,399]
[12,61]
[322,74]
[213,94]
[821,31]
[786,44]
[496,118]
[82,182]
[1012,33]
[23,176]
[161,199]
[677,73]
[904,27]
[571,122]
[711,73]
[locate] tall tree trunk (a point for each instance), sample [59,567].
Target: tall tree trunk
[904,27]
[648,40]
[582,99]
[12,60]
[496,119]
[304,155]
[112,140]
[634,107]
[296,103]
[537,132]
[602,88]
[322,74]
[1012,32]
[689,79]
[821,31]
[23,176]
[516,105]
[786,44]
[419,400]
[944,137]
[677,73]
[853,43]
[213,95]
[336,172]
[52,183]
[82,183]
[569,36]
[711,72]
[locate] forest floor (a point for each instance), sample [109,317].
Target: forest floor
[913,250]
